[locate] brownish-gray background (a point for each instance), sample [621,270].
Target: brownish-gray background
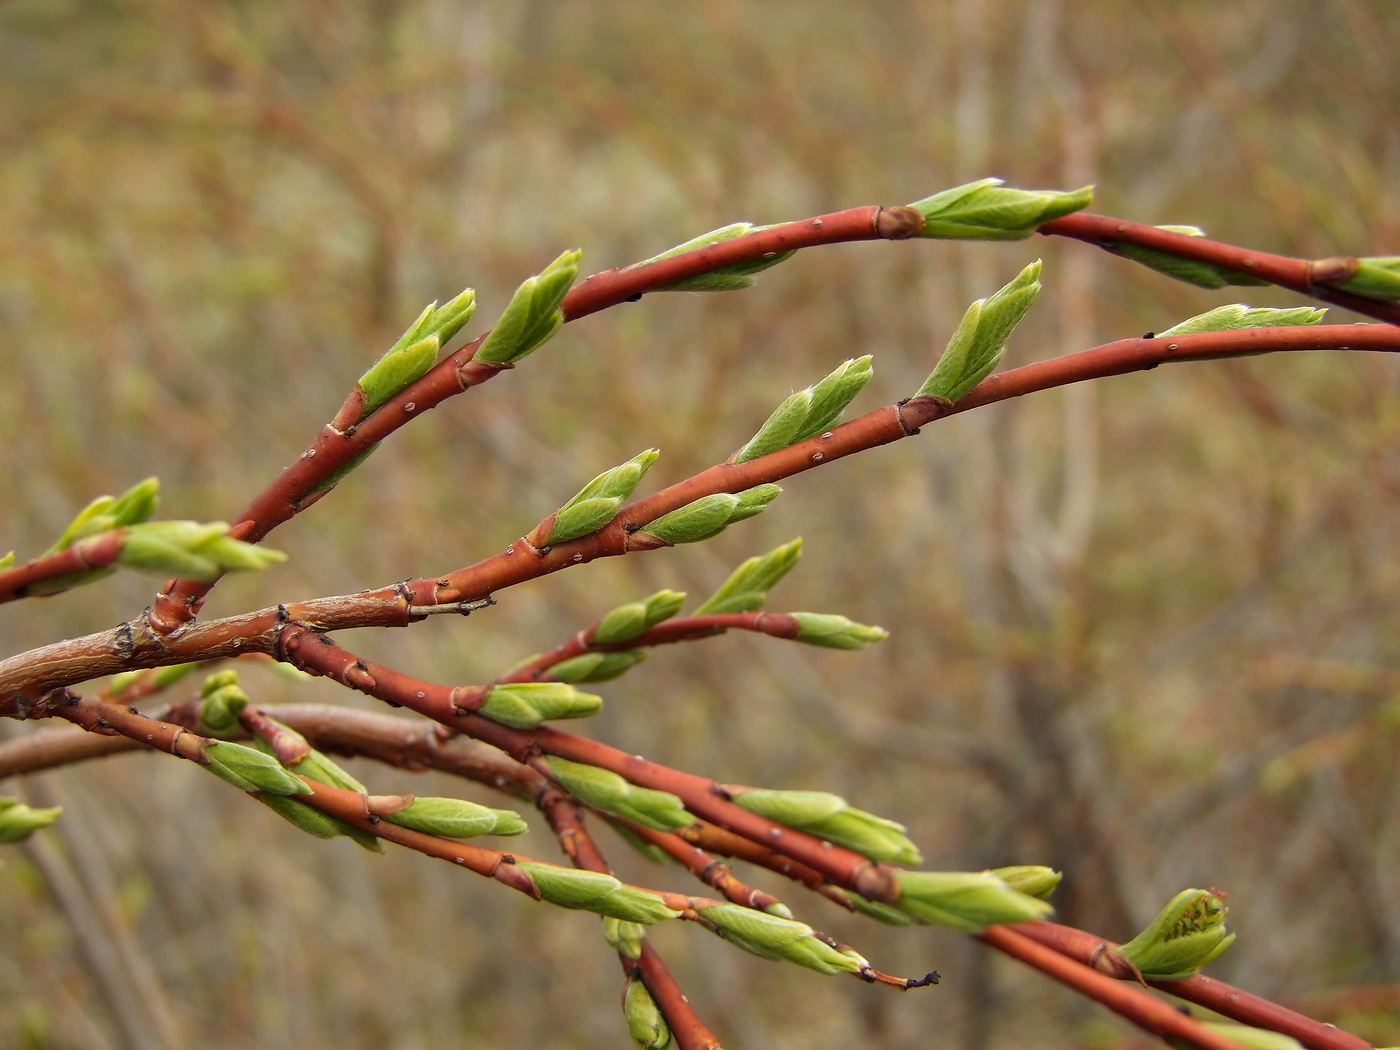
[1143,631]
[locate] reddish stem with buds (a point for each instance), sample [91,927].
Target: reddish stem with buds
[1216,995]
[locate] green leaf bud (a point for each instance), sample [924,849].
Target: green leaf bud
[397,369]
[831,396]
[695,521]
[133,506]
[7,561]
[316,766]
[447,320]
[628,621]
[136,504]
[597,503]
[1192,271]
[734,277]
[875,837]
[772,937]
[18,821]
[709,515]
[987,210]
[796,809]
[532,316]
[1188,933]
[836,632]
[606,790]
[603,789]
[746,589]
[620,624]
[753,501]
[190,549]
[624,937]
[596,892]
[524,705]
[977,345]
[312,821]
[454,818]
[780,429]
[645,1023]
[830,817]
[597,667]
[251,770]
[1034,879]
[880,912]
[217,680]
[218,714]
[965,901]
[809,411]
[1237,315]
[1376,278]
[582,517]
[659,810]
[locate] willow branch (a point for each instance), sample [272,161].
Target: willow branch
[1134,1004]
[703,797]
[677,629]
[714,872]
[303,482]
[1213,994]
[566,820]
[1310,277]
[25,677]
[95,552]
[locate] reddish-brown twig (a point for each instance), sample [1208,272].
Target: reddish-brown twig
[1135,1004]
[94,552]
[689,1031]
[1311,277]
[304,481]
[1205,991]
[703,797]
[679,629]
[23,678]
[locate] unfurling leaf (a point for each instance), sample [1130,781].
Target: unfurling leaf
[773,937]
[532,316]
[732,277]
[746,589]
[524,705]
[628,621]
[808,412]
[977,344]
[645,1023]
[965,901]
[987,210]
[597,503]
[709,515]
[836,632]
[596,667]
[1188,933]
[1237,315]
[829,817]
[455,818]
[596,892]
[605,790]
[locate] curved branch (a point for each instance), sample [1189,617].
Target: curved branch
[1205,991]
[1310,277]
[305,481]
[25,677]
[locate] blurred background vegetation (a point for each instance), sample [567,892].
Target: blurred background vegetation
[1144,631]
